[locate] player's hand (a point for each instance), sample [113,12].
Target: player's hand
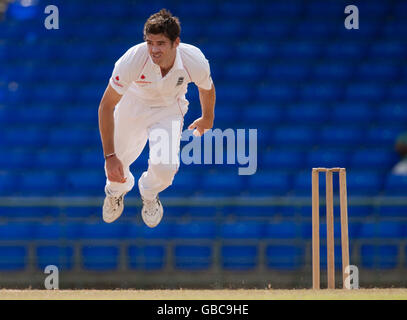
[201,125]
[114,168]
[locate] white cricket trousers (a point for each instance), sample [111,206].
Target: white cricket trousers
[135,123]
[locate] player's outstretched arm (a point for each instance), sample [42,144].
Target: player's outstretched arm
[114,166]
[205,122]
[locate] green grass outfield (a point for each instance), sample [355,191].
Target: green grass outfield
[339,294]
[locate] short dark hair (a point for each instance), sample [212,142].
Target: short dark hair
[163,22]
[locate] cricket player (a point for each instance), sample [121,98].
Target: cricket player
[146,92]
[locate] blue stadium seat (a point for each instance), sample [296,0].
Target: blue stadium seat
[150,258]
[197,10]
[102,230]
[55,159]
[313,30]
[327,159]
[384,72]
[365,92]
[89,182]
[91,159]
[251,211]
[242,230]
[382,230]
[373,159]
[386,48]
[193,257]
[396,185]
[393,113]
[290,9]
[60,256]
[300,49]
[215,52]
[392,211]
[232,93]
[303,185]
[265,113]
[239,257]
[9,183]
[282,160]
[364,183]
[269,183]
[230,29]
[82,212]
[398,95]
[195,230]
[361,211]
[41,183]
[283,230]
[332,71]
[100,258]
[307,113]
[17,231]
[353,113]
[73,137]
[201,211]
[83,115]
[260,50]
[294,136]
[318,8]
[40,114]
[16,159]
[50,231]
[52,93]
[284,257]
[288,71]
[24,137]
[250,71]
[239,9]
[13,258]
[227,114]
[29,212]
[342,51]
[383,136]
[277,93]
[165,230]
[222,183]
[175,211]
[380,256]
[346,136]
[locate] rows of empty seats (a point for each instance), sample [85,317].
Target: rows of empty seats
[187,257]
[317,93]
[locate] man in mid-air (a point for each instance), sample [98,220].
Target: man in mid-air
[146,93]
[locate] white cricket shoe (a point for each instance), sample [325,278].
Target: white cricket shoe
[152,212]
[113,207]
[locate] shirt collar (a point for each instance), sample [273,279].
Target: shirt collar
[178,65]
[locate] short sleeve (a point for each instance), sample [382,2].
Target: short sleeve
[197,66]
[204,79]
[122,72]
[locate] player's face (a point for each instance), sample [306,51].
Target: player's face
[161,49]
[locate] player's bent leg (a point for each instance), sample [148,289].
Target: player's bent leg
[112,206]
[114,201]
[157,178]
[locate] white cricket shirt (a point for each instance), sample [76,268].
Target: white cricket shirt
[136,72]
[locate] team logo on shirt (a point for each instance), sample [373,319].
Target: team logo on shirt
[142,82]
[116,81]
[180,81]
